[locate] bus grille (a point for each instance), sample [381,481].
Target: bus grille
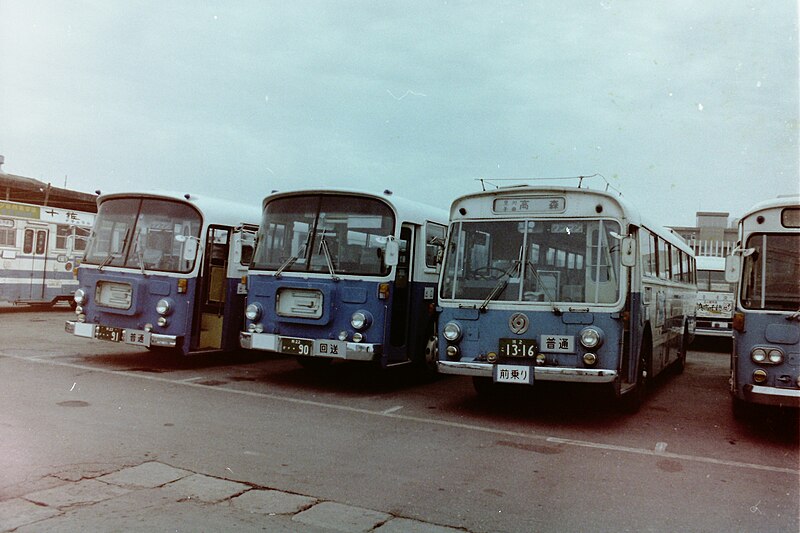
[115,295]
[299,303]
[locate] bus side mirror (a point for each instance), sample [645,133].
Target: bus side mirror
[733,267]
[628,251]
[391,254]
[189,246]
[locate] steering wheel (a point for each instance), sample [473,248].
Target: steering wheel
[485,272]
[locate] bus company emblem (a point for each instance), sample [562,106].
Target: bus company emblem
[518,323]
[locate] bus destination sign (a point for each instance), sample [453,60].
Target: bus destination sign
[538,204]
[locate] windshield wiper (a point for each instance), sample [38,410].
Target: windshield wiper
[794,316]
[291,260]
[111,254]
[106,261]
[140,252]
[328,260]
[500,286]
[556,310]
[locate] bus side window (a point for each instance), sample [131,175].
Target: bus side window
[27,246]
[8,234]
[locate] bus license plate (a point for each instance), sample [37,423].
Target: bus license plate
[517,374]
[518,348]
[296,346]
[107,333]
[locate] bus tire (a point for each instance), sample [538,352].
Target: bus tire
[430,355]
[680,364]
[632,401]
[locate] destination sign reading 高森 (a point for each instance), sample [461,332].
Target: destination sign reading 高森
[538,204]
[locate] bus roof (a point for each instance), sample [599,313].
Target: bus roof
[630,211]
[781,201]
[214,210]
[404,208]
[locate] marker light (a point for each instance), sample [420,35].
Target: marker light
[183,285]
[589,359]
[760,375]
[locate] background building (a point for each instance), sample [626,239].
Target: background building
[715,233]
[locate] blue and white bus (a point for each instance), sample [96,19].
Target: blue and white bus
[164,271]
[715,298]
[40,248]
[562,284]
[342,274]
[765,361]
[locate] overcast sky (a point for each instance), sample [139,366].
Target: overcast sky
[683,105]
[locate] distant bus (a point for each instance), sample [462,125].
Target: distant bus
[563,284]
[40,248]
[715,298]
[164,271]
[345,275]
[765,361]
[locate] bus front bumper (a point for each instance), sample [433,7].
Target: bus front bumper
[352,351]
[134,337]
[540,373]
[772,396]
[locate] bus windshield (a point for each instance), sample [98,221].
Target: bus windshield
[533,260]
[771,274]
[145,233]
[330,234]
[713,280]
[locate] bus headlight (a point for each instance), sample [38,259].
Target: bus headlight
[162,321]
[591,338]
[361,320]
[589,359]
[452,352]
[759,375]
[79,297]
[775,357]
[164,307]
[253,312]
[759,355]
[452,331]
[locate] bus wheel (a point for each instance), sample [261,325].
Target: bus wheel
[314,363]
[680,364]
[430,355]
[632,401]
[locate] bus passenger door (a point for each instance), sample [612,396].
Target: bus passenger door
[401,300]
[35,246]
[213,288]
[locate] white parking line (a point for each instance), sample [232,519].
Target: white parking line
[391,413]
